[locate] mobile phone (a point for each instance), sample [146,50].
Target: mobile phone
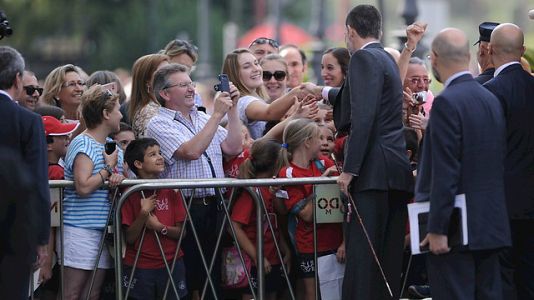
[110,147]
[223,85]
[112,87]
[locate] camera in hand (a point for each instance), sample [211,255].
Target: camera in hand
[110,147]
[5,29]
[223,85]
[420,97]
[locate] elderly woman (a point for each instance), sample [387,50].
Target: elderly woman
[87,205]
[143,105]
[64,87]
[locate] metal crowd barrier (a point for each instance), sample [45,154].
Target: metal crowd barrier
[139,185]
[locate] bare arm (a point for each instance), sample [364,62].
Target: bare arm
[414,34]
[233,144]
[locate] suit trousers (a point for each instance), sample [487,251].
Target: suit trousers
[517,263]
[465,275]
[384,215]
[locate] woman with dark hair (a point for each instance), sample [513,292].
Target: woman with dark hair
[143,104]
[334,65]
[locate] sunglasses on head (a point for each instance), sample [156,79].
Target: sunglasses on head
[264,40]
[278,75]
[30,90]
[186,45]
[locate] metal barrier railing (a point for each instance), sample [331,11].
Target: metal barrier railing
[139,185]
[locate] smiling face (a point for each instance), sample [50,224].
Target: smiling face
[250,71]
[152,164]
[331,71]
[29,101]
[71,91]
[275,88]
[180,92]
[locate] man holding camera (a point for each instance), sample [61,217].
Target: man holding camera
[192,145]
[415,86]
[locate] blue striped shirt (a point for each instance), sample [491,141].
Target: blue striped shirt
[87,212]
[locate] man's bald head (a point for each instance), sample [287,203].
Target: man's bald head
[506,42]
[451,47]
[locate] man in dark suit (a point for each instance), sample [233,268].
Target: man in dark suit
[483,57]
[24,197]
[376,171]
[514,88]
[462,153]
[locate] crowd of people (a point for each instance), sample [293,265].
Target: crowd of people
[374,123]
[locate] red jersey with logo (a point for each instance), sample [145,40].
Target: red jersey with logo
[244,212]
[231,167]
[169,210]
[329,236]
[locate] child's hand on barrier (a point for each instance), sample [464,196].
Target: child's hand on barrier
[148,205]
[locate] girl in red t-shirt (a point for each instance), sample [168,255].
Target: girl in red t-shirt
[302,158]
[262,163]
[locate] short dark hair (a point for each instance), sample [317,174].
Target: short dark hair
[366,20]
[49,110]
[303,57]
[11,65]
[136,151]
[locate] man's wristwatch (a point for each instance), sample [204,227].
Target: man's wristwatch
[109,169]
[164,230]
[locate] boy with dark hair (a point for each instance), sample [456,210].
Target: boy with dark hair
[161,215]
[124,136]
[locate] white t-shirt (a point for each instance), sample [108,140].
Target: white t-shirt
[256,128]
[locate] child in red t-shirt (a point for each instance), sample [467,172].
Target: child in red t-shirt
[157,214]
[302,158]
[261,163]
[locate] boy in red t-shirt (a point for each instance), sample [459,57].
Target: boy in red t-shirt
[157,214]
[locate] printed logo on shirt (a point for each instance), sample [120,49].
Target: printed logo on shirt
[162,204]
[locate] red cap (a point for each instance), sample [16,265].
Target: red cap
[53,126]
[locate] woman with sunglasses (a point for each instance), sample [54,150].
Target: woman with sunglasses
[143,105]
[245,72]
[274,76]
[334,65]
[64,87]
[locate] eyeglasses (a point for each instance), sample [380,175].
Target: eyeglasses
[278,75]
[71,84]
[416,80]
[182,85]
[30,90]
[264,40]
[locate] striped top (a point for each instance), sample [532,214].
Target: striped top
[87,212]
[171,129]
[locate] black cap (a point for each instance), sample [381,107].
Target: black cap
[485,29]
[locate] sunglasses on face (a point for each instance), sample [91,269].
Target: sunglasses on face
[264,40]
[278,75]
[30,90]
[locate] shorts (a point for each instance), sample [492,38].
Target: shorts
[81,248]
[150,283]
[274,281]
[306,263]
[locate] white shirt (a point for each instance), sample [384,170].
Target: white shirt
[499,69]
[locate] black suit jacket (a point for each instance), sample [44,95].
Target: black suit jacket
[369,105]
[463,152]
[515,90]
[25,196]
[485,76]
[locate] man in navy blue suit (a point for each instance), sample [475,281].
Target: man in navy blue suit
[24,196]
[514,87]
[462,153]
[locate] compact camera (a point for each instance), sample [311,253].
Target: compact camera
[223,85]
[420,97]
